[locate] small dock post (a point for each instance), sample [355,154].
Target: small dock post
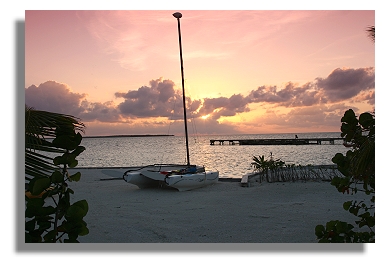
[245,180]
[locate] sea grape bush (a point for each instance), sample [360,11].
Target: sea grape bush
[358,175]
[49,214]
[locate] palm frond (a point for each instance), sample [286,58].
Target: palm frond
[371,32]
[40,127]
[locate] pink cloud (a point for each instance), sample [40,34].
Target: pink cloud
[55,97]
[311,105]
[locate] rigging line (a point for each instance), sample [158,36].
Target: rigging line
[194,129]
[195,149]
[193,124]
[171,119]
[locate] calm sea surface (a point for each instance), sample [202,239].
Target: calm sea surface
[232,161]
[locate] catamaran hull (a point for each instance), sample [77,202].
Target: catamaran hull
[150,176]
[158,176]
[140,180]
[188,182]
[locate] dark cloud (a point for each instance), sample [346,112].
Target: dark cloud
[160,99]
[56,97]
[340,85]
[343,84]
[290,96]
[223,106]
[96,111]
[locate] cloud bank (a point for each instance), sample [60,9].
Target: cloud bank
[315,104]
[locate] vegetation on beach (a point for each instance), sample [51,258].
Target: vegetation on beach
[49,215]
[263,165]
[358,175]
[273,170]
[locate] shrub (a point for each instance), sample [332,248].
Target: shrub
[49,215]
[358,175]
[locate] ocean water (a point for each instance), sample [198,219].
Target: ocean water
[232,161]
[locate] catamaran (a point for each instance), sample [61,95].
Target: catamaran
[182,177]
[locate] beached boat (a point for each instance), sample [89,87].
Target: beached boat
[182,177]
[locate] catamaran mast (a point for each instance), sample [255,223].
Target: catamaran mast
[178,15]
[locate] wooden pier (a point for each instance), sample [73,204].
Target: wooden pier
[307,141]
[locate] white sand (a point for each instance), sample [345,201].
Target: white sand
[222,213]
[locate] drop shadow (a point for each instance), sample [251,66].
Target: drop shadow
[21,246]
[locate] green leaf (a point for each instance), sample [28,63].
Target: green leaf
[65,142]
[57,177]
[33,237]
[83,204]
[347,205]
[330,225]
[84,230]
[319,231]
[76,228]
[349,117]
[366,119]
[40,185]
[59,160]
[64,159]
[370,221]
[30,225]
[50,236]
[35,202]
[338,158]
[75,177]
[77,211]
[73,163]
[78,150]
[74,213]
[49,210]
[44,225]
[54,191]
[32,211]
[342,227]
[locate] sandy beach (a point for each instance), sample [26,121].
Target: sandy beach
[221,213]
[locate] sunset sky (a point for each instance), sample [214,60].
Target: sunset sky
[246,71]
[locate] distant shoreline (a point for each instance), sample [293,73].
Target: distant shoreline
[123,136]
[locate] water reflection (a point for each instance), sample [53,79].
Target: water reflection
[230,160]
